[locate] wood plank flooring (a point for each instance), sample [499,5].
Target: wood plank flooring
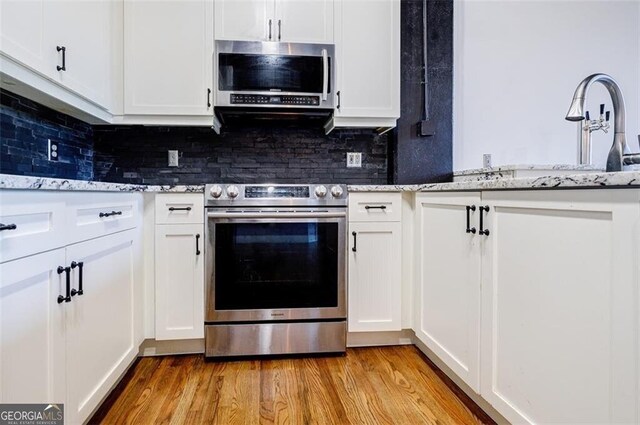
[380,385]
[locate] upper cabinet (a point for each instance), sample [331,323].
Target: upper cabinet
[67,42]
[168,57]
[368,59]
[304,21]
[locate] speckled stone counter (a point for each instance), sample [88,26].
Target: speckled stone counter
[520,170]
[572,181]
[8,181]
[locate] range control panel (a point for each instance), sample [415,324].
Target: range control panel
[259,99]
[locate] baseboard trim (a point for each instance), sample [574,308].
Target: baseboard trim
[476,398]
[373,339]
[152,347]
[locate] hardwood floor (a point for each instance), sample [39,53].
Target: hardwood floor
[380,385]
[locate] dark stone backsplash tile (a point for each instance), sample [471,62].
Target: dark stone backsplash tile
[250,155]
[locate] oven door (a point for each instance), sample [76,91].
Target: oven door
[266,266]
[275,70]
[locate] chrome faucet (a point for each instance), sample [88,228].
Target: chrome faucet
[617,156]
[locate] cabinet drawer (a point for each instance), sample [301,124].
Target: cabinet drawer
[91,215]
[375,206]
[179,208]
[39,219]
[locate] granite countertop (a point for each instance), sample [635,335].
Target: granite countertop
[8,181]
[571,181]
[524,167]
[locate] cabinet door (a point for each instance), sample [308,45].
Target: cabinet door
[368,58]
[559,332]
[448,281]
[179,281]
[32,330]
[22,33]
[304,21]
[374,276]
[84,28]
[248,20]
[168,57]
[100,322]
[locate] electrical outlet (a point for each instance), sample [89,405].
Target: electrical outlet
[173,158]
[53,152]
[354,159]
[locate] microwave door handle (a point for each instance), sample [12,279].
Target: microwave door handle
[325,74]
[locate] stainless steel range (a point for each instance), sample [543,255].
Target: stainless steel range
[275,269]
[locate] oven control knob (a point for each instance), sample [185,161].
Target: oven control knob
[336,191]
[216,191]
[321,191]
[232,191]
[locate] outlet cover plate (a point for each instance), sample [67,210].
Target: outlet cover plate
[173,158]
[354,159]
[53,152]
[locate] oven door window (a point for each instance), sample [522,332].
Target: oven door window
[244,72]
[276,265]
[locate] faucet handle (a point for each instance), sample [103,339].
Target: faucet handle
[607,116]
[586,116]
[601,109]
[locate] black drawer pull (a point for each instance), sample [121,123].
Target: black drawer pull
[355,241]
[79,265]
[110,214]
[470,229]
[198,244]
[375,207]
[208,98]
[179,208]
[7,227]
[482,230]
[64,58]
[66,270]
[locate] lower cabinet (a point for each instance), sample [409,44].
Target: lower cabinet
[179,281]
[533,301]
[560,305]
[32,330]
[374,276]
[100,322]
[448,281]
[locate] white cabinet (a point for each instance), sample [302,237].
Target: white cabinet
[375,291]
[303,21]
[100,322]
[32,31]
[32,330]
[179,281]
[560,306]
[368,63]
[179,266]
[168,57]
[448,280]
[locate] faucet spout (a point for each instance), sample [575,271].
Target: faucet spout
[576,113]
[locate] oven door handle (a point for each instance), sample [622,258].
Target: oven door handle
[325,74]
[276,214]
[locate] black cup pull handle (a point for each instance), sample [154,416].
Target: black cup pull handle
[355,241]
[198,244]
[64,58]
[482,230]
[79,265]
[179,208]
[66,270]
[375,207]
[469,228]
[7,227]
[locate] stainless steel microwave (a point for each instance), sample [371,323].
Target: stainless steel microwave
[254,74]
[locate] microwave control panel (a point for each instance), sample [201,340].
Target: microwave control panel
[259,99]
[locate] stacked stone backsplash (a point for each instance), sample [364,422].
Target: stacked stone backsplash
[274,154]
[25,127]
